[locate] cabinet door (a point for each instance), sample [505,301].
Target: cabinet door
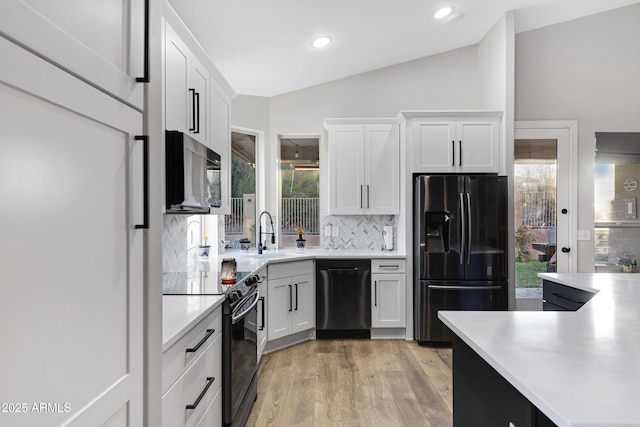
[434,145]
[346,182]
[304,303]
[72,258]
[279,307]
[479,145]
[220,142]
[262,320]
[177,96]
[199,107]
[101,41]
[382,169]
[388,304]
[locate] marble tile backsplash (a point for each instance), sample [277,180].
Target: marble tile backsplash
[177,251]
[356,231]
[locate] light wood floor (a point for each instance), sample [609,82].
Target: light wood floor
[355,383]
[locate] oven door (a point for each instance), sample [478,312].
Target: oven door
[240,354]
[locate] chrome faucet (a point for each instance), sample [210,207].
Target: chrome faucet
[260,233]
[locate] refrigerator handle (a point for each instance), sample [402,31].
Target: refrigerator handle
[463,229]
[469,228]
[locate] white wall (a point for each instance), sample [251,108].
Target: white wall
[588,70]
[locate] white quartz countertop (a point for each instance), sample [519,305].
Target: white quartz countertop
[580,368]
[182,312]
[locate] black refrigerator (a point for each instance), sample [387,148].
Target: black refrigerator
[460,249]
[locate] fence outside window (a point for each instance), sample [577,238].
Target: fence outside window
[296,213]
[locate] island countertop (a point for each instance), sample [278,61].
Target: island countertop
[579,368]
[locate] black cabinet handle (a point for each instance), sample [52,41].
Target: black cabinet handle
[564,211]
[194,405]
[375,293]
[453,153]
[197,116]
[202,341]
[261,299]
[367,196]
[460,154]
[566,250]
[145,77]
[145,181]
[361,206]
[193,109]
[296,285]
[290,298]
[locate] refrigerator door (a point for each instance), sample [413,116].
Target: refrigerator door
[486,228]
[436,296]
[438,216]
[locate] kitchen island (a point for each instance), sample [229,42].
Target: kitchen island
[575,369]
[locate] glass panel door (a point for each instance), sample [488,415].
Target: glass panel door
[535,219]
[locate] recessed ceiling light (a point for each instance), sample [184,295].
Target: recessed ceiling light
[321,42]
[443,13]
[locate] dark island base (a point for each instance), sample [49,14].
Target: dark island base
[482,397]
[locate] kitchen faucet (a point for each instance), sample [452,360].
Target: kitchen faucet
[260,233]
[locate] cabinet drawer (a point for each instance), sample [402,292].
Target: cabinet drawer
[176,359]
[388,265]
[191,386]
[565,297]
[288,269]
[213,417]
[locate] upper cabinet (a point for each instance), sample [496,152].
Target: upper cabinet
[197,97]
[450,143]
[186,89]
[100,42]
[364,164]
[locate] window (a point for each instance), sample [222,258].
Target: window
[242,220]
[616,175]
[299,190]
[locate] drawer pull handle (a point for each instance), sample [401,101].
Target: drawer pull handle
[194,405]
[202,341]
[395,267]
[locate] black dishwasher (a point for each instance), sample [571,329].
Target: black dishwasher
[343,298]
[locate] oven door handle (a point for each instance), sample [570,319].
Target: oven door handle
[235,317]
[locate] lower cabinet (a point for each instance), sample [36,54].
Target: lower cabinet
[261,327]
[192,376]
[291,305]
[482,397]
[558,297]
[388,296]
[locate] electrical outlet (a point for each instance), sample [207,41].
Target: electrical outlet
[327,231]
[584,235]
[336,231]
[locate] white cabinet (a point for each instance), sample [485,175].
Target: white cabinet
[364,162]
[220,141]
[291,298]
[186,89]
[261,327]
[102,42]
[192,376]
[72,284]
[456,145]
[388,294]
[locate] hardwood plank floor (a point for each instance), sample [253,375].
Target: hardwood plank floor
[355,383]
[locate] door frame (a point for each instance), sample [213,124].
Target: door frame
[566,133]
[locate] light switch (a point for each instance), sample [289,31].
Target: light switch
[584,235]
[327,231]
[336,231]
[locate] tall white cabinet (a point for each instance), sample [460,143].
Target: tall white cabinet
[71,263]
[364,162]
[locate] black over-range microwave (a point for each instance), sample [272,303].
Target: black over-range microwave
[192,175]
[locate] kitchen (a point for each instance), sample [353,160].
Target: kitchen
[609,104]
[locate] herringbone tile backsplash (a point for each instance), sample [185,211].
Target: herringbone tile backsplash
[355,231]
